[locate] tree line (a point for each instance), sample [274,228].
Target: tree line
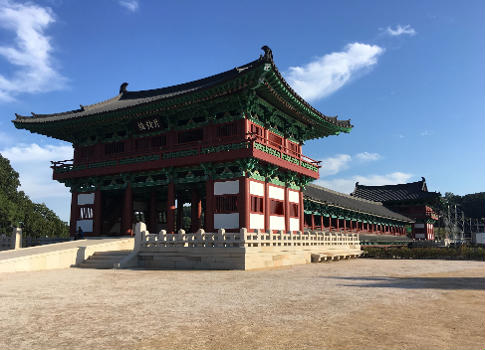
[16,208]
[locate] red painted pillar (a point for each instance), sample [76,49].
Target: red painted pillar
[287,210]
[127,218]
[171,208]
[302,212]
[313,222]
[152,225]
[74,214]
[338,224]
[266,206]
[321,222]
[244,203]
[98,215]
[345,224]
[330,223]
[209,206]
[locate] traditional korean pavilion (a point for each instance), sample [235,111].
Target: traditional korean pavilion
[410,199]
[219,152]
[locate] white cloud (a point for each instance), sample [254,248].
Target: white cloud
[131,5]
[426,133]
[328,73]
[30,51]
[339,162]
[334,165]
[346,185]
[368,157]
[400,30]
[32,162]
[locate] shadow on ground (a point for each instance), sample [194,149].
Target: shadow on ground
[458,283]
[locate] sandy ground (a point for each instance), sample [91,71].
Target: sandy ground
[355,304]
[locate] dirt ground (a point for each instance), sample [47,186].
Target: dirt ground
[354,304]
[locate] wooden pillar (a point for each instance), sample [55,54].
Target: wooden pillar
[345,224]
[209,206]
[127,218]
[266,207]
[152,227]
[97,213]
[171,208]
[330,223]
[338,224]
[321,221]
[313,222]
[74,214]
[244,203]
[301,209]
[287,210]
[180,213]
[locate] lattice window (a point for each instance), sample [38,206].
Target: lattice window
[275,139]
[159,141]
[227,130]
[256,130]
[191,136]
[85,213]
[226,204]
[142,144]
[115,147]
[276,207]
[256,204]
[293,147]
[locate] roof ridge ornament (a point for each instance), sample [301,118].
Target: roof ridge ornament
[123,87]
[268,54]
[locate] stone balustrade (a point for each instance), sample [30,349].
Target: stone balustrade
[245,239]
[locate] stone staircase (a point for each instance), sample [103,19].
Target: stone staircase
[104,260]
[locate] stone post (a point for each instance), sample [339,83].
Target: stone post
[16,238]
[140,230]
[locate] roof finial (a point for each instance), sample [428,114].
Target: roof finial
[268,54]
[123,87]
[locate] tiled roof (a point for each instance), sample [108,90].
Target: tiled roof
[341,200]
[126,99]
[401,192]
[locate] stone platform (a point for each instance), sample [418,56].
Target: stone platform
[240,250]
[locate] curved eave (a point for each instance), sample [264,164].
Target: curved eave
[278,86]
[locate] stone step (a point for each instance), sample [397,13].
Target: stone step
[104,260]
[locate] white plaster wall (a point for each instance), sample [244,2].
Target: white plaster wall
[85,225]
[85,198]
[256,221]
[294,224]
[276,193]
[256,188]
[276,222]
[293,197]
[226,220]
[226,187]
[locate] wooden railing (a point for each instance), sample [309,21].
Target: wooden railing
[198,148]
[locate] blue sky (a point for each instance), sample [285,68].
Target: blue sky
[409,75]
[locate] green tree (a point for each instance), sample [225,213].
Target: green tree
[16,207]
